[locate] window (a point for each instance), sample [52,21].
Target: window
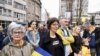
[22,15]
[24,7]
[15,14]
[7,12]
[19,15]
[0,11]
[5,1]
[9,2]
[19,6]
[1,1]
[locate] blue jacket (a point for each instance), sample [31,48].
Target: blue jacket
[33,40]
[1,39]
[92,37]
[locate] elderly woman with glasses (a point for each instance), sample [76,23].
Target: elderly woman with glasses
[17,45]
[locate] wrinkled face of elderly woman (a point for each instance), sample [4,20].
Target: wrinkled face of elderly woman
[17,34]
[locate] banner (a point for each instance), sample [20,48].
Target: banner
[40,52]
[35,53]
[68,15]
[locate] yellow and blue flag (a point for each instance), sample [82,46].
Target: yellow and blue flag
[40,52]
[35,53]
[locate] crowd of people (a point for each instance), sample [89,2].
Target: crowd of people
[55,37]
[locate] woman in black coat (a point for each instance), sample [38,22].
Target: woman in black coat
[77,45]
[53,43]
[97,35]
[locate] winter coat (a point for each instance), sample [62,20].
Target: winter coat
[33,40]
[85,51]
[76,46]
[97,37]
[68,40]
[97,34]
[92,37]
[7,39]
[11,50]
[54,46]
[1,39]
[42,34]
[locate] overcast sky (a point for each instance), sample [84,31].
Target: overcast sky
[52,6]
[94,5]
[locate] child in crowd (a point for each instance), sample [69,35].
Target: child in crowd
[85,47]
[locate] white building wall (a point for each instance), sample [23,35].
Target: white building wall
[13,9]
[84,7]
[63,7]
[21,2]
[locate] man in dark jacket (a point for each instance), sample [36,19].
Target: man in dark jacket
[2,35]
[97,34]
[42,32]
[93,34]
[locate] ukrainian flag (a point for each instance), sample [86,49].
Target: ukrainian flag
[35,53]
[40,52]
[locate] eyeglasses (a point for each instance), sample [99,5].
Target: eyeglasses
[18,32]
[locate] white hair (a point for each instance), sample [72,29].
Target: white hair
[14,25]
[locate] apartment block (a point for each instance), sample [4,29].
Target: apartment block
[12,10]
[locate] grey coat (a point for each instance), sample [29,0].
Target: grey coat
[12,50]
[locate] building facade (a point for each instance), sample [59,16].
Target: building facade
[80,6]
[96,17]
[65,6]
[72,7]
[33,10]
[19,10]
[12,10]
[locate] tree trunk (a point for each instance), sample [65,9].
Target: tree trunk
[80,12]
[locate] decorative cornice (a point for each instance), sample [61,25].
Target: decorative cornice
[38,2]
